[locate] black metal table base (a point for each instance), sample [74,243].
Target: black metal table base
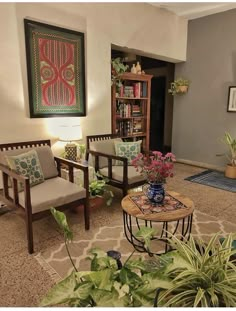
[166,230]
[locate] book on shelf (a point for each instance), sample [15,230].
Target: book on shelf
[144,89]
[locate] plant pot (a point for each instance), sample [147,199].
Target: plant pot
[96,202]
[230,171]
[182,89]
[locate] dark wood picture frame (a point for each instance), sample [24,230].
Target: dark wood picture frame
[56,71]
[232,99]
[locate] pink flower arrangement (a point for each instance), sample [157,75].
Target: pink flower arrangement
[155,167]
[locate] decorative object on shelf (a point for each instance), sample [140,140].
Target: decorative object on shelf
[232,99]
[138,68]
[117,69]
[70,133]
[56,70]
[133,69]
[156,168]
[179,86]
[230,170]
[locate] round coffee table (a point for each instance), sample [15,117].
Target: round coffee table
[167,221]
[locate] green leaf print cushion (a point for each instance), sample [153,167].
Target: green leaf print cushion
[127,149]
[27,164]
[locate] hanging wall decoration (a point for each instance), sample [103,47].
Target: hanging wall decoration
[56,70]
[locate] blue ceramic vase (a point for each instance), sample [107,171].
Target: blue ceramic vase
[155,192]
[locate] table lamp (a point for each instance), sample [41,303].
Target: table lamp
[70,133]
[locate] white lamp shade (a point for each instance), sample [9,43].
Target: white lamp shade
[70,132]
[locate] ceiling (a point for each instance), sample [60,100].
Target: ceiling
[192,10]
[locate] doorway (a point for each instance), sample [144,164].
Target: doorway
[157,113]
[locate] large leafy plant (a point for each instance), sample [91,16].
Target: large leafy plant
[105,285]
[193,274]
[231,143]
[202,275]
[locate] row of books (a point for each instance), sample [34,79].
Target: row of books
[126,110]
[137,90]
[126,128]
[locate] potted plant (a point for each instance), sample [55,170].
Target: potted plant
[117,69]
[193,274]
[179,86]
[230,170]
[99,192]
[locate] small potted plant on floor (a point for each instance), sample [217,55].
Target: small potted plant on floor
[230,170]
[179,86]
[99,191]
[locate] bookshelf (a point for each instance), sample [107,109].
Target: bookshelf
[131,108]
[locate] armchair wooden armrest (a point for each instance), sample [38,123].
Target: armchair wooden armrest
[110,157]
[71,165]
[16,177]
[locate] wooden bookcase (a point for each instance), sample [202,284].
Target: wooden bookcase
[131,108]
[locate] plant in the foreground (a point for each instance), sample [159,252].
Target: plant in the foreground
[155,167]
[105,285]
[231,143]
[203,275]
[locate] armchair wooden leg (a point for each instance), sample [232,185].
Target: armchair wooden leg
[29,230]
[86,215]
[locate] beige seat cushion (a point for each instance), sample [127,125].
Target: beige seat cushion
[45,156]
[105,146]
[52,193]
[117,174]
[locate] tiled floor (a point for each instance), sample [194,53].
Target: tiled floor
[23,281]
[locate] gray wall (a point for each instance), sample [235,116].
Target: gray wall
[200,116]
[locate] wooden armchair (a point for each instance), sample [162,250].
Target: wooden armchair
[54,191]
[102,149]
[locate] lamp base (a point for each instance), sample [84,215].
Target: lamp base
[71,152]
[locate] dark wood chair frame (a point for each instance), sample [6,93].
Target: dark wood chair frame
[124,185]
[14,202]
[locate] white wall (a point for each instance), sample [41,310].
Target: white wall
[138,26]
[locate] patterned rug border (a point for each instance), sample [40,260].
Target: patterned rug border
[230,186]
[56,277]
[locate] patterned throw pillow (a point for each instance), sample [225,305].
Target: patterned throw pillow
[127,149]
[27,164]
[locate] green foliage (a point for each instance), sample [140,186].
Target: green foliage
[118,68]
[231,143]
[98,188]
[203,275]
[192,275]
[146,234]
[174,86]
[62,222]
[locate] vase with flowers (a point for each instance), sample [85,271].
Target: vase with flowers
[156,167]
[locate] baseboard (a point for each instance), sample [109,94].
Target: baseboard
[200,164]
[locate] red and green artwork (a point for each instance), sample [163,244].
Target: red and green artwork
[55,61]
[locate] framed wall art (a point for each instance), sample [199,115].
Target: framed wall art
[56,70]
[232,99]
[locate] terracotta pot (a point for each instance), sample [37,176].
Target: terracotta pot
[96,202]
[182,89]
[230,171]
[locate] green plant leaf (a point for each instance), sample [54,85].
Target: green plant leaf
[62,222]
[100,279]
[105,298]
[146,233]
[128,277]
[61,292]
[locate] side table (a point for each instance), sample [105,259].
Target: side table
[167,221]
[79,176]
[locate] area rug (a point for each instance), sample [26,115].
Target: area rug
[214,179]
[56,262]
